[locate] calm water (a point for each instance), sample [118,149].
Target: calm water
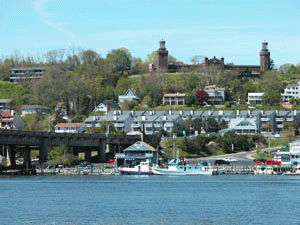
[150,200]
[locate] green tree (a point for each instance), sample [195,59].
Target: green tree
[61,155]
[120,60]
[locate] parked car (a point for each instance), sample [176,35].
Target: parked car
[273,162]
[110,160]
[259,160]
[221,162]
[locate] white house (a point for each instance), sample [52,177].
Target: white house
[255,98]
[291,91]
[244,126]
[128,96]
[106,106]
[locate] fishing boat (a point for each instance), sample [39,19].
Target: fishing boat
[181,167]
[141,169]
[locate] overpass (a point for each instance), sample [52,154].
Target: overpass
[26,140]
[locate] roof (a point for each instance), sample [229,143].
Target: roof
[28,68]
[249,123]
[68,125]
[175,95]
[6,113]
[140,146]
[112,103]
[35,106]
[260,94]
[5,100]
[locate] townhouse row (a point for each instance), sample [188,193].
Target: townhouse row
[242,122]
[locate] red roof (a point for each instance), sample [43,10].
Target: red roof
[6,114]
[68,125]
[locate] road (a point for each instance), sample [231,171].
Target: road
[243,158]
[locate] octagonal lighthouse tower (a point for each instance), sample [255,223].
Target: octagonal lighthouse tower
[162,57]
[264,57]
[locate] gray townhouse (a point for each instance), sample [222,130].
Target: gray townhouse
[286,116]
[122,122]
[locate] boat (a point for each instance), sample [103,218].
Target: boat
[180,167]
[141,169]
[230,159]
[295,171]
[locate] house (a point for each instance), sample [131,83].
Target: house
[69,128]
[107,106]
[35,109]
[244,126]
[291,91]
[255,98]
[25,74]
[136,153]
[5,104]
[11,120]
[128,96]
[216,96]
[174,99]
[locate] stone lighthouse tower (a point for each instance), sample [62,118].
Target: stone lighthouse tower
[264,57]
[162,57]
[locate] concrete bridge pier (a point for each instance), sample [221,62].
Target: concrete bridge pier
[43,151]
[87,154]
[12,155]
[101,152]
[27,158]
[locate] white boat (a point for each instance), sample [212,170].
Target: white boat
[295,171]
[180,167]
[142,169]
[230,159]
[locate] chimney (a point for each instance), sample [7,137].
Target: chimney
[192,112]
[220,112]
[143,118]
[170,112]
[115,117]
[237,112]
[180,112]
[165,117]
[108,106]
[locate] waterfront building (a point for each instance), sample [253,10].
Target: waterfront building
[290,157]
[136,153]
[25,74]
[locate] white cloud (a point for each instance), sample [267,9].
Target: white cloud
[48,18]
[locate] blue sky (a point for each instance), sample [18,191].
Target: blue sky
[233,29]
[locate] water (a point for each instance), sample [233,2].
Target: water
[150,200]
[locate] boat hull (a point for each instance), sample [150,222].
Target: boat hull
[136,173]
[179,173]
